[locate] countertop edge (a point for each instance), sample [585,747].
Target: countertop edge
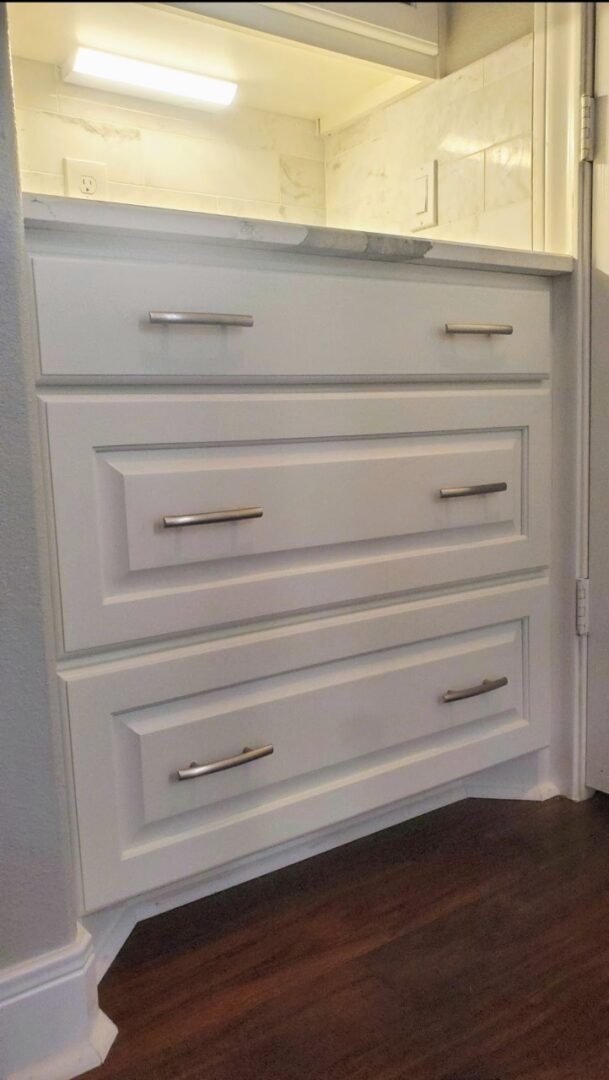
[56,212]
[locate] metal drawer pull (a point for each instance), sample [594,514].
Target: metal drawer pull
[246,755]
[474,691]
[478,328]
[472,489]
[199,318]
[213,517]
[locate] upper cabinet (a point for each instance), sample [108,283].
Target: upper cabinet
[399,35]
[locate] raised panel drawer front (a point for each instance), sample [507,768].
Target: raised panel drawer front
[248,322]
[177,513]
[334,717]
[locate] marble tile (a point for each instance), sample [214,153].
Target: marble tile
[35,84]
[103,105]
[373,211]
[341,218]
[302,215]
[45,139]
[407,117]
[43,183]
[494,114]
[508,107]
[249,208]
[464,231]
[508,172]
[508,226]
[385,120]
[351,174]
[212,168]
[133,194]
[302,182]
[98,107]
[363,130]
[167,199]
[288,134]
[461,189]
[462,82]
[270,211]
[247,127]
[510,59]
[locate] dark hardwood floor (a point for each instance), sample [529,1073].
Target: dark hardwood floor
[469,944]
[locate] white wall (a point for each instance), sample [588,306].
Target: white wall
[476,123]
[37,912]
[243,161]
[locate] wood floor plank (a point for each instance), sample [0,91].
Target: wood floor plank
[469,944]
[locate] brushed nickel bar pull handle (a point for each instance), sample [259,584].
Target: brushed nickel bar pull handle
[478,328]
[212,517]
[243,758]
[199,318]
[474,691]
[472,489]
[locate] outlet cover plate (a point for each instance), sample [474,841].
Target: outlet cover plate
[85,179]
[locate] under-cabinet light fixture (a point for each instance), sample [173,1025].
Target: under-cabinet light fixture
[106,71]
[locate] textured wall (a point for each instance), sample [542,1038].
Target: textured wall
[35,895]
[476,123]
[243,161]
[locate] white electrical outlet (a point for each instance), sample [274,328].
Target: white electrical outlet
[425,196]
[85,179]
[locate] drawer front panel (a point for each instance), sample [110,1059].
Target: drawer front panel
[360,721]
[351,491]
[321,717]
[351,505]
[93,317]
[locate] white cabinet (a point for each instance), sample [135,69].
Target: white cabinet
[376,608]
[396,35]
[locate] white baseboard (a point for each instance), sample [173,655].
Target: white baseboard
[51,1027]
[537,793]
[527,778]
[523,778]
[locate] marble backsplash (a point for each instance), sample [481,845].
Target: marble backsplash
[476,124]
[243,161]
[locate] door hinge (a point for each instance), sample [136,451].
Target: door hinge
[582,592]
[586,148]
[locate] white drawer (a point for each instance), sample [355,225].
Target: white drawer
[93,318]
[353,707]
[349,485]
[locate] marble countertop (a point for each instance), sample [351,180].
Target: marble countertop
[45,211]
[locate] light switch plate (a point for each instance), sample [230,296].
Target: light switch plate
[85,179]
[425,196]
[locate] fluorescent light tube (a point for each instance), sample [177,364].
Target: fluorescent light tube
[88,67]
